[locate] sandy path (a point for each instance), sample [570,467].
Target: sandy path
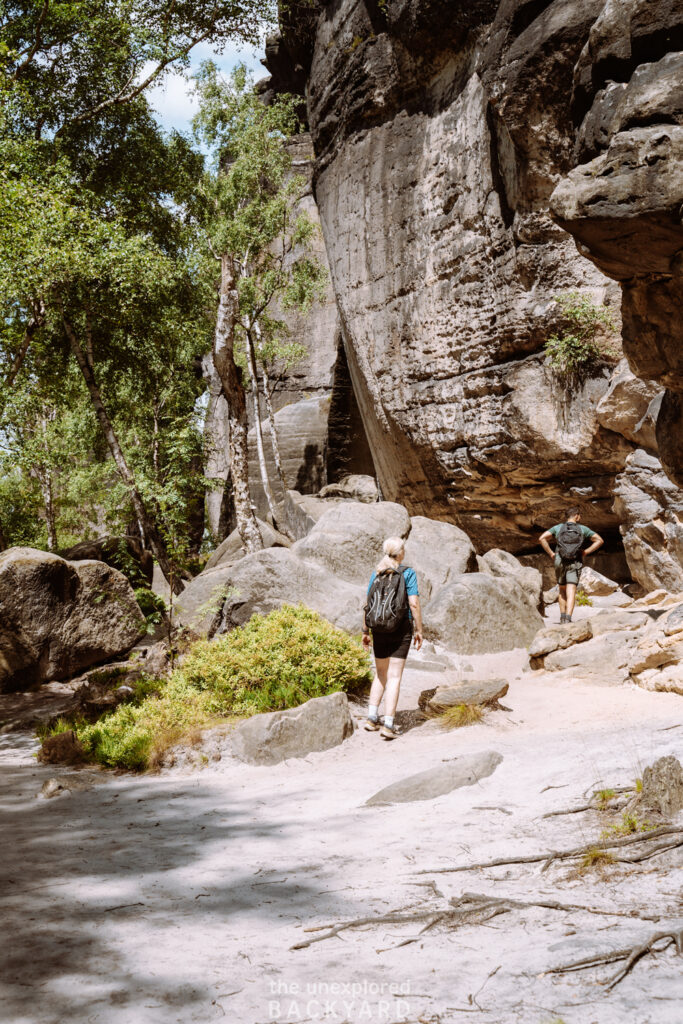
[176,898]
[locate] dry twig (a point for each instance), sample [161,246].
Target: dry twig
[578,851]
[631,955]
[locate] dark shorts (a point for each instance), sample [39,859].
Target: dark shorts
[393,645]
[567,572]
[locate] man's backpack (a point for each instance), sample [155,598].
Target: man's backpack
[569,541]
[387,605]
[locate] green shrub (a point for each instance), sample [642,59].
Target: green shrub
[151,605]
[583,600]
[273,662]
[587,340]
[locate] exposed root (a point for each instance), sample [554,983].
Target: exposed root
[546,859]
[631,956]
[470,908]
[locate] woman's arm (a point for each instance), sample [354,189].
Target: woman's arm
[414,602]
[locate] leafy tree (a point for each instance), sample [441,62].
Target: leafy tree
[248,208]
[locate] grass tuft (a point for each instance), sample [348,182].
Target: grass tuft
[627,826]
[460,715]
[603,797]
[583,600]
[271,663]
[595,858]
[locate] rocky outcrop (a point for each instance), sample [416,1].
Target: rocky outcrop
[622,199]
[440,552]
[59,617]
[500,564]
[268,739]
[663,786]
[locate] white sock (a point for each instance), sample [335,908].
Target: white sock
[389,721]
[373,711]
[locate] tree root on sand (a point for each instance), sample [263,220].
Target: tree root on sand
[675,840]
[470,908]
[631,956]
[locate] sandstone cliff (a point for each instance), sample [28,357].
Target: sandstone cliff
[441,131]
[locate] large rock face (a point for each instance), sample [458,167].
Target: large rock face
[622,199]
[59,617]
[650,508]
[440,132]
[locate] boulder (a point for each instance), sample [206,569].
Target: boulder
[267,580]
[556,638]
[603,661]
[300,512]
[663,786]
[594,584]
[471,691]
[667,679]
[319,724]
[231,549]
[123,553]
[499,563]
[347,540]
[550,596]
[662,643]
[477,614]
[619,618]
[355,487]
[438,552]
[434,782]
[58,617]
[650,510]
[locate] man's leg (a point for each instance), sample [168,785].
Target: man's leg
[570,599]
[562,598]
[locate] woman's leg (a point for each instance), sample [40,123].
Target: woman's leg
[380,681]
[393,685]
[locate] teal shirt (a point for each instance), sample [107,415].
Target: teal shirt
[585,530]
[410,576]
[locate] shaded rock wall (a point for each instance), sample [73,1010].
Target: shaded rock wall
[441,130]
[622,200]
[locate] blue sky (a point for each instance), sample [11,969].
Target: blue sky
[173,102]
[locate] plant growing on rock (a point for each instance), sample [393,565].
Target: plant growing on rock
[461,715]
[273,662]
[587,339]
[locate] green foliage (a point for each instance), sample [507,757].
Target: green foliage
[588,338]
[595,857]
[248,206]
[583,600]
[273,662]
[629,824]
[604,796]
[151,605]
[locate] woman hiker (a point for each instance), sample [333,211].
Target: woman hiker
[393,602]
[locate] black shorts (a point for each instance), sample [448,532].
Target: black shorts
[393,645]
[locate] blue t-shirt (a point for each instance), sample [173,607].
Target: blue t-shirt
[410,576]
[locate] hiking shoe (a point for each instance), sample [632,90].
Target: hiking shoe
[389,732]
[371,724]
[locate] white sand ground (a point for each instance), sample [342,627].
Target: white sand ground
[177,897]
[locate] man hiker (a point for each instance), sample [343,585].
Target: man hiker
[572,543]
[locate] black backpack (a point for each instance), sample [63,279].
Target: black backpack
[387,605]
[569,541]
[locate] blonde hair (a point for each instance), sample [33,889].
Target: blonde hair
[393,548]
